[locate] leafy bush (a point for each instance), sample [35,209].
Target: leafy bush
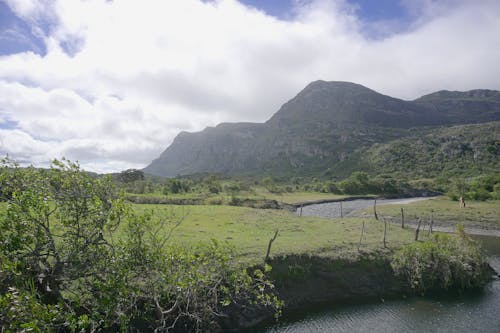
[22,311]
[443,262]
[60,268]
[483,188]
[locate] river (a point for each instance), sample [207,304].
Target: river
[472,311]
[332,209]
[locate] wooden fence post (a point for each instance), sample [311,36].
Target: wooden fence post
[375,209]
[418,229]
[385,231]
[432,222]
[269,245]
[402,218]
[361,237]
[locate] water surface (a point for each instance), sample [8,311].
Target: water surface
[332,209]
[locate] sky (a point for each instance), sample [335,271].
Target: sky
[111,83]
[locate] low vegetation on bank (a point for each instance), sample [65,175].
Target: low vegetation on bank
[442,262]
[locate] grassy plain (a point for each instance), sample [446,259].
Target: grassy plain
[446,212]
[249,230]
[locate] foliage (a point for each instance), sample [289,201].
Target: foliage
[22,311]
[55,224]
[449,152]
[361,183]
[442,262]
[213,184]
[131,175]
[480,188]
[62,270]
[268,183]
[177,186]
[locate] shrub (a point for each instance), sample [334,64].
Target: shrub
[442,262]
[479,194]
[61,270]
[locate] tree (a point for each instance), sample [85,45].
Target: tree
[213,184]
[55,223]
[131,175]
[62,269]
[269,184]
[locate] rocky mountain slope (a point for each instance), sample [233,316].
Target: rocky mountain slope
[325,126]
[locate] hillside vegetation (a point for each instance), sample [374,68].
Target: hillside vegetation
[467,150]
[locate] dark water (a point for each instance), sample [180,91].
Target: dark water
[475,311]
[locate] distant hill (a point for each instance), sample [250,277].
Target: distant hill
[328,125]
[456,150]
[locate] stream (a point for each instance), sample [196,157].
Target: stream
[332,209]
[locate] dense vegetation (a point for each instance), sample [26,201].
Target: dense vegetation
[63,270]
[442,262]
[460,151]
[219,189]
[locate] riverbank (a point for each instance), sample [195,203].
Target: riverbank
[468,311]
[304,281]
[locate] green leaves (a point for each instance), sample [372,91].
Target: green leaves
[57,234]
[442,262]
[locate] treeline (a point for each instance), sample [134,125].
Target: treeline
[203,187]
[357,183]
[74,257]
[136,182]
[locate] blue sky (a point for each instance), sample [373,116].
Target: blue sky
[368,10]
[111,83]
[16,35]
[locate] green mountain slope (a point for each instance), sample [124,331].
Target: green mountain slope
[324,126]
[456,150]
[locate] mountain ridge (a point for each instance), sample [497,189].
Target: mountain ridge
[322,125]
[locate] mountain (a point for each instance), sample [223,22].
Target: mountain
[322,127]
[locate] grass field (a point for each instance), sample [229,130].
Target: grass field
[249,230]
[476,214]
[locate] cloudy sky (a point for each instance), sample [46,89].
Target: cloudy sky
[111,83]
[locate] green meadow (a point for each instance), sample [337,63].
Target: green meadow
[249,231]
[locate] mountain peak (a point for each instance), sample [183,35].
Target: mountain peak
[341,103]
[334,86]
[319,128]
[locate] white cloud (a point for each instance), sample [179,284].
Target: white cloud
[141,71]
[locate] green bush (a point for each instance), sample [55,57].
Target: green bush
[62,270]
[443,262]
[479,194]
